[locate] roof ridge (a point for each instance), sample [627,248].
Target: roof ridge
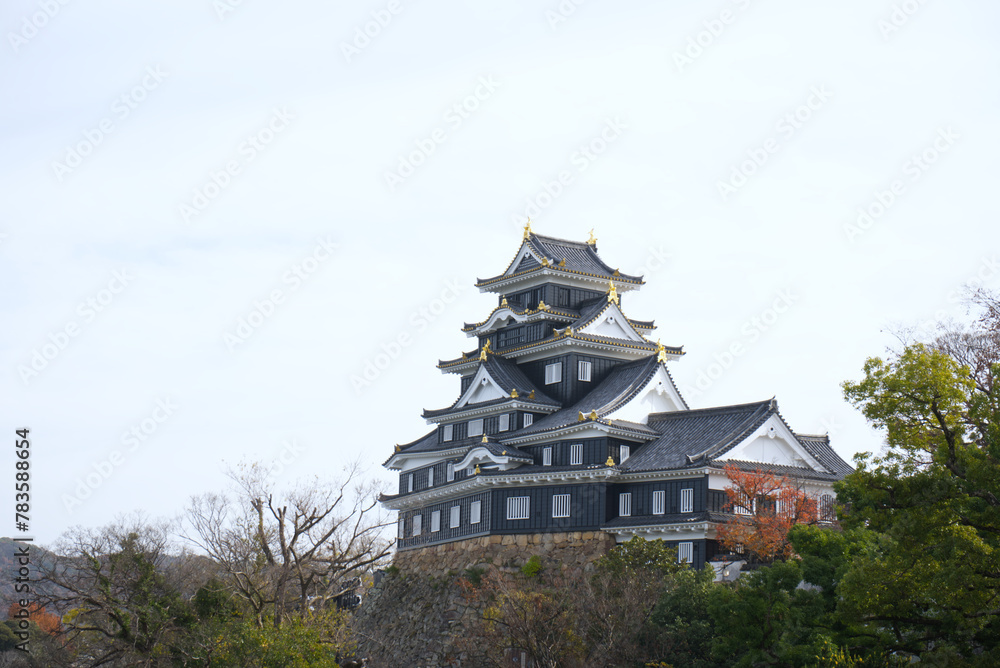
[717,409]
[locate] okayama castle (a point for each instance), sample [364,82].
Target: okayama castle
[568,420]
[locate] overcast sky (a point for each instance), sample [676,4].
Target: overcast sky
[251,229]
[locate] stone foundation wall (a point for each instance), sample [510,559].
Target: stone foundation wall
[418,611]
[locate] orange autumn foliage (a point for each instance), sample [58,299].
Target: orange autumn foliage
[766,507]
[46,621]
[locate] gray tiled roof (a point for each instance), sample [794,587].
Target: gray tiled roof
[783,470]
[819,447]
[619,386]
[645,520]
[688,433]
[509,377]
[580,257]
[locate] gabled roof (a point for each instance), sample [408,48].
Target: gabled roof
[617,388]
[819,447]
[508,377]
[571,257]
[688,433]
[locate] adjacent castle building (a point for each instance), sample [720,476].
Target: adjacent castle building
[568,420]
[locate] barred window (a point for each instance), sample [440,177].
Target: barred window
[560,505]
[518,507]
[685,553]
[584,372]
[456,516]
[625,504]
[528,419]
[576,453]
[659,502]
[547,456]
[475,512]
[687,500]
[827,512]
[504,422]
[435,521]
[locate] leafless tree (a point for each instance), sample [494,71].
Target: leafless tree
[293,552]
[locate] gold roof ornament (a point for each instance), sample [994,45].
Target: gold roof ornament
[504,452]
[592,241]
[527,229]
[477,470]
[531,395]
[568,332]
[593,415]
[513,393]
[484,351]
[542,306]
[610,461]
[486,439]
[612,292]
[545,261]
[398,448]
[617,273]
[661,352]
[582,417]
[503,302]
[562,262]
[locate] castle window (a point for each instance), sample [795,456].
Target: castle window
[547,456]
[456,516]
[623,453]
[659,502]
[417,521]
[826,510]
[475,512]
[685,552]
[504,422]
[446,432]
[576,453]
[553,373]
[430,477]
[687,500]
[435,521]
[518,507]
[409,482]
[584,372]
[560,505]
[476,427]
[528,419]
[402,528]
[625,504]
[450,472]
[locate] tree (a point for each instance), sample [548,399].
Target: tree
[46,621]
[930,583]
[765,506]
[294,554]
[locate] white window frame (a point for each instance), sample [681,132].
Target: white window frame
[583,372]
[553,373]
[625,504]
[449,472]
[624,452]
[476,427]
[576,454]
[418,520]
[503,422]
[456,517]
[518,507]
[402,528]
[685,552]
[447,432]
[409,482]
[687,500]
[547,455]
[528,419]
[560,505]
[659,502]
[435,521]
[430,477]
[475,512]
